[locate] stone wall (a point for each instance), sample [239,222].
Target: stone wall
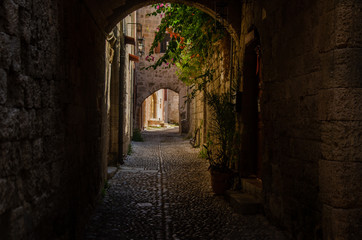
[197,128]
[199,110]
[311,111]
[113,52]
[51,101]
[127,82]
[308,83]
[146,112]
[153,109]
[173,101]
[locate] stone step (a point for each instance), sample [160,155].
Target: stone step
[244,203]
[155,123]
[252,186]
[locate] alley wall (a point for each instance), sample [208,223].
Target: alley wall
[114,44]
[311,111]
[173,102]
[127,70]
[51,102]
[218,62]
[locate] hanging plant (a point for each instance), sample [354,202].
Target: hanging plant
[192,36]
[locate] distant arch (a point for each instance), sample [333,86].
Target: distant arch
[143,95]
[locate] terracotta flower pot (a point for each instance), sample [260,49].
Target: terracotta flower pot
[220,181]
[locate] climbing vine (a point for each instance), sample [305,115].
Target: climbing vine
[192,36]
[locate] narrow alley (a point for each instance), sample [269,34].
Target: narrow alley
[270,91]
[163,191]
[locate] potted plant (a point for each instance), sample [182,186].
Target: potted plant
[219,148]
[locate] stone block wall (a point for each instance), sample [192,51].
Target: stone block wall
[32,128]
[173,101]
[311,112]
[87,134]
[199,110]
[146,111]
[113,48]
[153,109]
[51,97]
[289,109]
[196,117]
[127,82]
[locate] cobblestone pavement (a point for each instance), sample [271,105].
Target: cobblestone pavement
[163,192]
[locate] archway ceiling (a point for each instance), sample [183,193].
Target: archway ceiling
[108,13]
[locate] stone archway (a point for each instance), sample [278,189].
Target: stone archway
[161,109]
[157,86]
[178,88]
[108,13]
[182,109]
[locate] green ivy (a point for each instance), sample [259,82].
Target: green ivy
[193,34]
[221,130]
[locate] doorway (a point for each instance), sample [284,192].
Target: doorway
[252,136]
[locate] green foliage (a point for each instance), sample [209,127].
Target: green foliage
[137,136]
[104,189]
[130,150]
[219,147]
[203,153]
[192,35]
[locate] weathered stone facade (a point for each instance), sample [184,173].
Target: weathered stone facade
[34,173]
[172,107]
[52,101]
[119,89]
[219,63]
[128,80]
[153,107]
[160,108]
[308,97]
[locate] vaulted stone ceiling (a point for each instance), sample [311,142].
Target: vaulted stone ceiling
[108,13]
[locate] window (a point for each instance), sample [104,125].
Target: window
[164,43]
[162,47]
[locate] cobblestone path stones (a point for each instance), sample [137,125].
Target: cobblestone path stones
[163,192]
